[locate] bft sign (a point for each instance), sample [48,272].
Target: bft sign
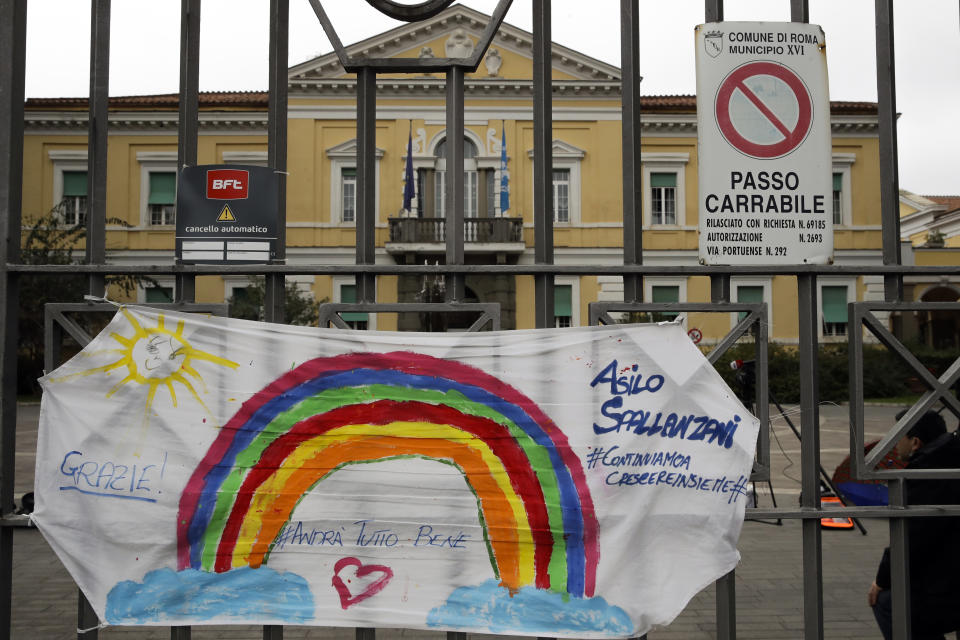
[763,122]
[227,214]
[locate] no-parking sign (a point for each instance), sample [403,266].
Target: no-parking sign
[763,121]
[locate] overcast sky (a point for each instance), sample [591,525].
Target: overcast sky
[233,55]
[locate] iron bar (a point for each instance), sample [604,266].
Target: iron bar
[88,625]
[455,183]
[727,606]
[800,11]
[99,109]
[899,561]
[13,38]
[632,155]
[366,180]
[96,253]
[720,288]
[517,269]
[543,160]
[180,633]
[188,123]
[275,285]
[887,129]
[810,458]
[713,11]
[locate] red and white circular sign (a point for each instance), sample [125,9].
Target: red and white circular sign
[695,335]
[764,110]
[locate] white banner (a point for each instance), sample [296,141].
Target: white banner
[575,483]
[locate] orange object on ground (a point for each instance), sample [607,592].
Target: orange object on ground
[834,523]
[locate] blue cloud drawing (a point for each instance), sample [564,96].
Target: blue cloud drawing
[253,594]
[529,610]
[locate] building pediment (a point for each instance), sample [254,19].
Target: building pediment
[453,33]
[348,149]
[561,149]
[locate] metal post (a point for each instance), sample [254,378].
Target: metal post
[454,197]
[799,11]
[630,120]
[188,125]
[887,125]
[543,160]
[180,633]
[893,290]
[273,632]
[99,108]
[274,287]
[726,585]
[899,561]
[810,458]
[810,431]
[98,124]
[13,37]
[727,606]
[88,625]
[720,288]
[366,179]
[713,10]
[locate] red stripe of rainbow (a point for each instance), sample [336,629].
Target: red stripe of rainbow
[412,371]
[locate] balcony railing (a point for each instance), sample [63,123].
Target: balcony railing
[425,230]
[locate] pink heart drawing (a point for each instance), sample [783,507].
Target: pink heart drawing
[353,580]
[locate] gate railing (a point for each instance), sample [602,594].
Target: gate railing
[12,52]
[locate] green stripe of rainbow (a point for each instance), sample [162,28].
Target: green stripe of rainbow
[274,427]
[336,398]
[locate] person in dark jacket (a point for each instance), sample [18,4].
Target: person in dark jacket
[934,542]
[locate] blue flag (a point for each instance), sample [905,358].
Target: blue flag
[409,189]
[504,175]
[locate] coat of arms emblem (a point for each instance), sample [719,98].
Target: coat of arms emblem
[713,43]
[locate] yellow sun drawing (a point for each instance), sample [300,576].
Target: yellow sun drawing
[155,357]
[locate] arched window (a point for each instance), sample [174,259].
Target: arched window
[478,198]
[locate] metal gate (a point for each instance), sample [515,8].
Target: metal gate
[455,269]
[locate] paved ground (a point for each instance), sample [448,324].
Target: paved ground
[769,580]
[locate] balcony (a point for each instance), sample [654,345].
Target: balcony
[479,234]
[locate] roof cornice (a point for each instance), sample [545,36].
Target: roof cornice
[160,121]
[405,37]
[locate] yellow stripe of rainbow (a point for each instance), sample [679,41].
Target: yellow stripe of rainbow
[314,459]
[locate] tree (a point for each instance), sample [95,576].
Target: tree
[49,241]
[298,307]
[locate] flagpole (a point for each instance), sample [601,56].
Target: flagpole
[504,173]
[409,187]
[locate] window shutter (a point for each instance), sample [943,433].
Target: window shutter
[665,294]
[751,293]
[163,188]
[563,300]
[159,294]
[663,180]
[748,293]
[348,294]
[74,183]
[834,304]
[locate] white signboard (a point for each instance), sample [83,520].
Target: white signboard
[763,122]
[577,483]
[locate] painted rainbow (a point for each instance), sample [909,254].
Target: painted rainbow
[535,507]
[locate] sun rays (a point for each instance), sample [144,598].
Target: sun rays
[155,357]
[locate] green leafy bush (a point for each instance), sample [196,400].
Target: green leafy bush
[885,374]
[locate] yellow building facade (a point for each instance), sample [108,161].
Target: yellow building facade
[321,182]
